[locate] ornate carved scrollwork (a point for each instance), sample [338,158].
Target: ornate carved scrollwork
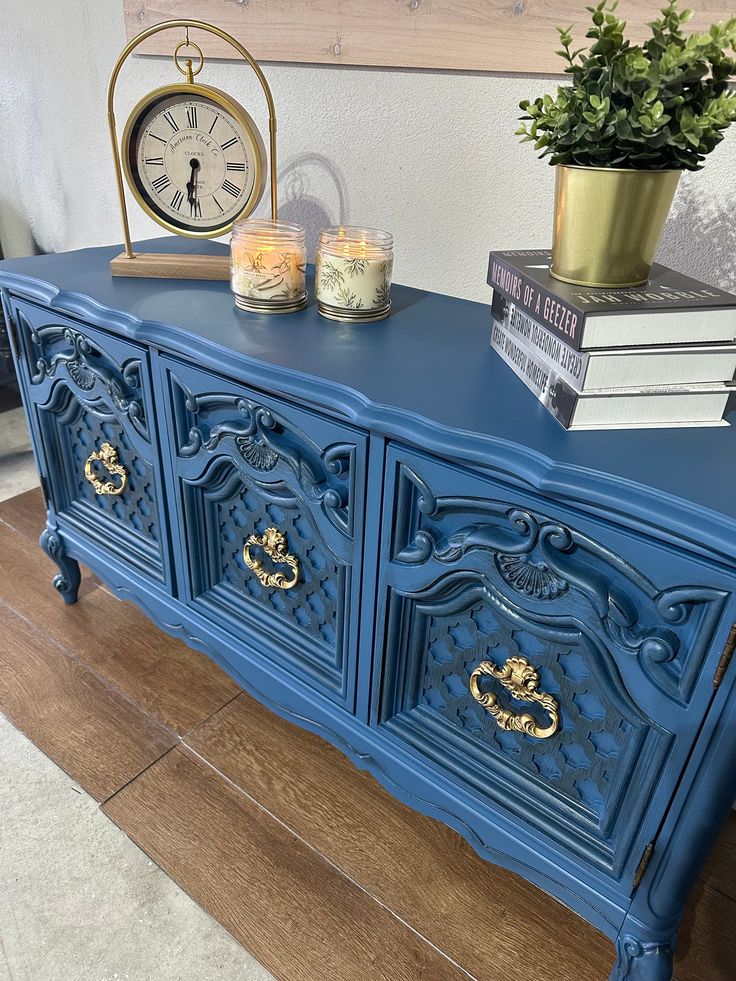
[644,960]
[67,579]
[263,441]
[88,367]
[551,564]
[531,578]
[258,455]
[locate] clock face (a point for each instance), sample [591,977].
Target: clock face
[194,160]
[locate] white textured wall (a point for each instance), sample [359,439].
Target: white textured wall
[430,157]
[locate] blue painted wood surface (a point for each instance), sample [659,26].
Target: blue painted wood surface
[431,359]
[441,518]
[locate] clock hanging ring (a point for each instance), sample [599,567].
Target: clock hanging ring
[192,157]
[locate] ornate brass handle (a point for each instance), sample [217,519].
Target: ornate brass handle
[108,457]
[520,678]
[273,542]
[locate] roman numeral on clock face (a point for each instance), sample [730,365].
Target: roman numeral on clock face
[229,143]
[159,161]
[161,183]
[192,117]
[230,188]
[177,200]
[171,121]
[236,166]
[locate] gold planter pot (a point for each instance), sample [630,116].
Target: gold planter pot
[608,222]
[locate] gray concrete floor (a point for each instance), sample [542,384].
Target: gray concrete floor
[17,466]
[78,900]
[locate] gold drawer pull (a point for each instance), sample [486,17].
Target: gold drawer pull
[273,543]
[108,457]
[520,678]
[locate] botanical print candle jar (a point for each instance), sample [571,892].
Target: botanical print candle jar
[267,266]
[353,273]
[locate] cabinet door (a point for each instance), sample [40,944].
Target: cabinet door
[547,661]
[89,396]
[270,504]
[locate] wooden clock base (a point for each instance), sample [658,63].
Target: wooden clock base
[154,265]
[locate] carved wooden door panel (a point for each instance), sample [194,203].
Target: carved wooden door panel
[92,408]
[270,505]
[546,665]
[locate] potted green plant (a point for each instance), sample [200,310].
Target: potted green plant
[634,117]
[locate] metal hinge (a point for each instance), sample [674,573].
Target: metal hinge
[728,652]
[645,859]
[44,489]
[13,333]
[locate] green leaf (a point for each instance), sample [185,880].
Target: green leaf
[663,103]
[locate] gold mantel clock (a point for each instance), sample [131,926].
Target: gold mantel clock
[192,157]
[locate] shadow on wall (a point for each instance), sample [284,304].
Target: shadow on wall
[700,236]
[16,234]
[305,176]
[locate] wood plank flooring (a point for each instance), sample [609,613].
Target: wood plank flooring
[264,884]
[309,863]
[178,691]
[436,879]
[99,738]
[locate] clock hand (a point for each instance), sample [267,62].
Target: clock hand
[192,186]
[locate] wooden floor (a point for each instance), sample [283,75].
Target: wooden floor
[310,864]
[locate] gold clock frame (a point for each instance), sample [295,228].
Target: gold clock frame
[224,101]
[175,266]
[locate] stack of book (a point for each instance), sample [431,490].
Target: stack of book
[656,355]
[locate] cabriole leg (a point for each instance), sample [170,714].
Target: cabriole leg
[643,959]
[66,581]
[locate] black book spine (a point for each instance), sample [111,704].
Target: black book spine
[563,319]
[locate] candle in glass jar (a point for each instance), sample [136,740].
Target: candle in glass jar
[267,266]
[353,273]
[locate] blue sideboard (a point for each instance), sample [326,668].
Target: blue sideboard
[377,531]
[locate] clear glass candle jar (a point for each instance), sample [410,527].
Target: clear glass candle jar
[353,273]
[267,266]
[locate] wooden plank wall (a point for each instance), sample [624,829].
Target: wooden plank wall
[472,35]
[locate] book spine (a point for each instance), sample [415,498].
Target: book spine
[569,364]
[563,319]
[553,392]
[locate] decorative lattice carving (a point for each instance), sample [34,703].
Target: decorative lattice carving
[583,759]
[313,603]
[136,507]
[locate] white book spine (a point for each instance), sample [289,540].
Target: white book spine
[673,405]
[570,365]
[554,393]
[618,367]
